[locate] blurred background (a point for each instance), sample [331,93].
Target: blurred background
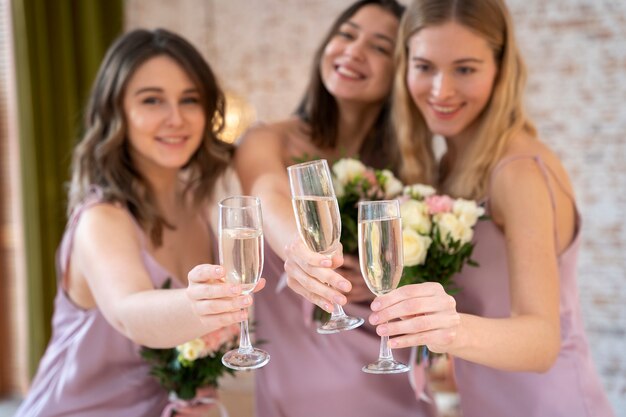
[261,51]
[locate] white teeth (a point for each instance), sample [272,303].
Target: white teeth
[348,72]
[171,140]
[446,110]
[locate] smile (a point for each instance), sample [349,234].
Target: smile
[445,111]
[348,73]
[172,140]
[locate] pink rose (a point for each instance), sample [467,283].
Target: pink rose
[439,204]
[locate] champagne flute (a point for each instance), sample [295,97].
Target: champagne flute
[319,224]
[241,255]
[381,261]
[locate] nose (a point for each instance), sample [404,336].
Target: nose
[443,86]
[175,116]
[355,49]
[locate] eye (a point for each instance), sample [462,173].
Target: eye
[151,100]
[190,100]
[345,34]
[465,70]
[421,67]
[382,49]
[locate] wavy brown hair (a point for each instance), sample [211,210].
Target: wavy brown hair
[319,108]
[102,159]
[499,121]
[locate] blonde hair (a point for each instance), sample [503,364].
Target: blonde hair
[500,120]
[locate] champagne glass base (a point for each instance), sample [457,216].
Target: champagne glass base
[386,366]
[245,360]
[341,323]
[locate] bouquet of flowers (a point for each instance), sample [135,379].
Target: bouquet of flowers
[197,364]
[437,233]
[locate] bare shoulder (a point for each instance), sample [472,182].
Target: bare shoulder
[520,169]
[521,184]
[106,223]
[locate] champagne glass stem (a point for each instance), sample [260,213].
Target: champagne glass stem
[337,311]
[244,338]
[385,353]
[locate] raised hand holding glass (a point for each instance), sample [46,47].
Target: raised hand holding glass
[381,261]
[319,224]
[241,255]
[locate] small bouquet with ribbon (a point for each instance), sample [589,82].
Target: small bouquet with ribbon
[437,233]
[190,372]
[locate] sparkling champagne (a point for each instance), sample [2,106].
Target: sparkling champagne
[380,253]
[318,221]
[241,255]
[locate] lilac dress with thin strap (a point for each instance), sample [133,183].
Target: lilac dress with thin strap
[571,388]
[320,375]
[89,368]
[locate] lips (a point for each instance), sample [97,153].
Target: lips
[446,111]
[172,140]
[348,72]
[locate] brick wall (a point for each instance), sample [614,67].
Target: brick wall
[576,54]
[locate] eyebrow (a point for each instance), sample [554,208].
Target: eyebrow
[377,35]
[458,61]
[160,90]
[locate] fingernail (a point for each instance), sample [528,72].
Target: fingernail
[219,270]
[326,263]
[338,299]
[382,330]
[327,307]
[393,344]
[374,318]
[247,300]
[375,305]
[344,286]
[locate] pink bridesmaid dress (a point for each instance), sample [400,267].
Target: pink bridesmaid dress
[89,368]
[571,388]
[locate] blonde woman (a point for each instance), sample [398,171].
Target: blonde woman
[515,328]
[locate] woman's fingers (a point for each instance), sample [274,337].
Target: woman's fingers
[317,266]
[436,340]
[311,287]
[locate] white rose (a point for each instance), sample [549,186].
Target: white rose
[415,247]
[450,227]
[419,191]
[467,211]
[392,185]
[347,169]
[338,187]
[191,350]
[415,216]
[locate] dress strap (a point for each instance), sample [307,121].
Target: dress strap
[547,173]
[94,197]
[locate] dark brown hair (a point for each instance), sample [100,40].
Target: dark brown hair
[318,106]
[102,159]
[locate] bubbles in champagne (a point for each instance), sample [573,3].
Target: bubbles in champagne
[241,255]
[318,221]
[380,253]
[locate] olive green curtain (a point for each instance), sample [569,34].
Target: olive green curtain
[59,45]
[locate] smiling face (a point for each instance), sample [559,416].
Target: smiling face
[357,63]
[450,75]
[164,116]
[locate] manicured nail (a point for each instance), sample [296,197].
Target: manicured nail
[219,270]
[382,330]
[374,318]
[393,344]
[338,299]
[375,305]
[326,263]
[344,286]
[247,300]
[327,307]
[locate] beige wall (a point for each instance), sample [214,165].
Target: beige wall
[576,53]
